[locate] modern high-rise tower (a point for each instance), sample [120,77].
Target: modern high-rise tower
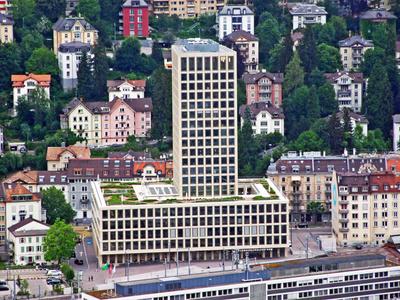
[204,119]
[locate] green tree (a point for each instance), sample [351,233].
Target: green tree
[371,57]
[326,35]
[9,64]
[24,287]
[68,272]
[379,99]
[23,12]
[60,241]
[271,6]
[329,58]
[56,206]
[43,61]
[313,108]
[336,134]
[308,50]
[294,76]
[85,77]
[100,72]
[339,25]
[315,209]
[268,34]
[156,52]
[127,57]
[316,78]
[52,9]
[327,99]
[308,141]
[161,92]
[40,104]
[29,43]
[89,9]
[286,53]
[320,127]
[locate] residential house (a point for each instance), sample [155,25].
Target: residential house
[307,14]
[248,46]
[365,207]
[22,204]
[67,30]
[108,122]
[126,117]
[296,38]
[5,6]
[1,139]
[135,18]
[234,17]
[349,89]
[352,51]
[167,60]
[265,118]
[23,85]
[6,28]
[306,177]
[355,119]
[69,58]
[83,121]
[396,132]
[26,239]
[126,89]
[264,87]
[58,157]
[2,220]
[371,18]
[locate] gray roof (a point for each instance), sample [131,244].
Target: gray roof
[256,108]
[308,9]
[229,9]
[6,20]
[357,117]
[75,47]
[396,118]
[333,77]
[351,41]
[135,3]
[377,13]
[253,78]
[66,24]
[237,34]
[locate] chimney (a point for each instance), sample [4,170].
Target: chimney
[345,152]
[256,104]
[349,33]
[264,70]
[63,144]
[81,100]
[354,151]
[324,153]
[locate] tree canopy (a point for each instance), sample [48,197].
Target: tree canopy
[56,206]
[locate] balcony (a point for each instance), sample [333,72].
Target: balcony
[343,192]
[264,84]
[310,21]
[328,191]
[343,202]
[22,212]
[344,93]
[264,99]
[343,220]
[328,201]
[343,211]
[357,55]
[343,230]
[356,62]
[297,201]
[84,201]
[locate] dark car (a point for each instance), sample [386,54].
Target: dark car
[358,246]
[79,261]
[73,254]
[2,282]
[22,149]
[79,240]
[302,225]
[53,280]
[4,288]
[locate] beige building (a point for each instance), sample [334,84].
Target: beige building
[188,8]
[6,28]
[365,207]
[307,177]
[58,157]
[154,230]
[248,47]
[352,50]
[204,119]
[67,30]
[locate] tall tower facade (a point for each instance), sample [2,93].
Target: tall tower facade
[204,119]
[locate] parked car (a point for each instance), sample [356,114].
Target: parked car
[22,149]
[4,288]
[53,280]
[358,246]
[79,240]
[73,255]
[53,273]
[302,225]
[3,282]
[79,261]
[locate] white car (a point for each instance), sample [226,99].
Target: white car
[53,273]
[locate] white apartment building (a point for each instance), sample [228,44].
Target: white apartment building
[69,58]
[307,14]
[154,230]
[352,51]
[234,17]
[23,85]
[349,89]
[25,239]
[204,119]
[1,139]
[365,207]
[265,118]
[396,131]
[126,89]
